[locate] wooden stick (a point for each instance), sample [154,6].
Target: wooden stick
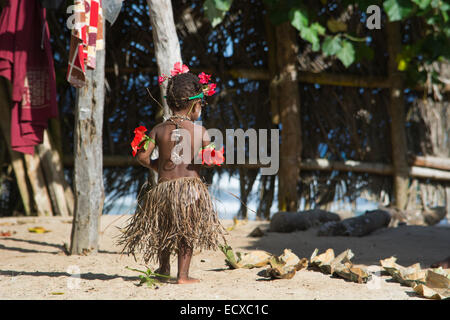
[53,170]
[38,185]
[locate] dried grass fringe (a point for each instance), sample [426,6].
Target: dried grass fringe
[169,214]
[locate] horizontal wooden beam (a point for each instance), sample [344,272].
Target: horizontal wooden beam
[432,162]
[308,164]
[321,78]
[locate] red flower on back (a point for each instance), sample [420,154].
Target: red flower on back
[211,156]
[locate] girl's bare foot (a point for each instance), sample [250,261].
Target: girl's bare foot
[187,280]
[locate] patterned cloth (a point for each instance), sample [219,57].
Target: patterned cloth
[26,60]
[86,39]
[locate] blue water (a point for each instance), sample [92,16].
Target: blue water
[227,205]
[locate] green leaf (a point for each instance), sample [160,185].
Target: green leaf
[214,15]
[346,54]
[316,46]
[310,35]
[423,4]
[331,46]
[398,9]
[223,5]
[298,18]
[319,28]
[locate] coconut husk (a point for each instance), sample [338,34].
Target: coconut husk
[437,285]
[340,266]
[248,260]
[285,266]
[172,214]
[409,276]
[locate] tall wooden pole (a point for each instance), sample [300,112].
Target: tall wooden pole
[88,171]
[288,98]
[397,115]
[165,40]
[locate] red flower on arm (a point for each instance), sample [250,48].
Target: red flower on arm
[211,89]
[204,78]
[138,136]
[179,68]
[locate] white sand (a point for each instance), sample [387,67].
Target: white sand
[33,266]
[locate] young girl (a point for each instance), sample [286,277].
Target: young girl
[177,214]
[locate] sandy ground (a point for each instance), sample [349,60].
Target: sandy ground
[34,266]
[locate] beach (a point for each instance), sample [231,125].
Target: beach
[36,266]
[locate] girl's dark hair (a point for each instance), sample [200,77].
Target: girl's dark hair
[180,88]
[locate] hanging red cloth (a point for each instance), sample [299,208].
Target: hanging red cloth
[26,61]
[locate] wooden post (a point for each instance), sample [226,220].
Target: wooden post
[88,171]
[165,39]
[289,106]
[17,160]
[397,115]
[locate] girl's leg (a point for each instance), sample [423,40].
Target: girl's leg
[184,261]
[164,263]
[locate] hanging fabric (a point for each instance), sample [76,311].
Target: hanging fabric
[86,39]
[26,60]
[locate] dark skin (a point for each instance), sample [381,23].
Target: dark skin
[167,170]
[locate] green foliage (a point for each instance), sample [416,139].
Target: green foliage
[331,45]
[216,10]
[347,53]
[398,9]
[149,278]
[332,38]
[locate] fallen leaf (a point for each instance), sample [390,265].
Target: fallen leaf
[237,223]
[38,230]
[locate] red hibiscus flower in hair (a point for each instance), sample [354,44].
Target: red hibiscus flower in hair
[179,68]
[138,137]
[204,78]
[211,89]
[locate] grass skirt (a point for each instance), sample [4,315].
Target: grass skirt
[172,213]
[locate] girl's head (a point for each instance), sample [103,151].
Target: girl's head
[179,88]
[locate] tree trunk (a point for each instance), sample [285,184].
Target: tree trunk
[397,115]
[356,226]
[88,171]
[300,221]
[165,39]
[289,106]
